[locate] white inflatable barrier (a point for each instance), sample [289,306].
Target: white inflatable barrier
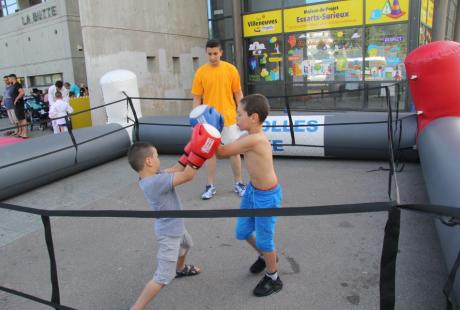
[115,84]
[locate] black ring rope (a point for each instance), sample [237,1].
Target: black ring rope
[34,298]
[389,251]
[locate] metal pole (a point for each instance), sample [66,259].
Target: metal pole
[457,24]
[238,38]
[439,20]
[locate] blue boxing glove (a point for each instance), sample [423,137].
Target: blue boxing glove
[206,115]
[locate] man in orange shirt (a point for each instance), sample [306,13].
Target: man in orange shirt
[217,84]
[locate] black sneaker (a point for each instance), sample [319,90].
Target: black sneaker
[267,286]
[258,266]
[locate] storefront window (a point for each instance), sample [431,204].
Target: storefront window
[264,59]
[296,46]
[222,28]
[220,8]
[426,21]
[261,5]
[386,49]
[229,51]
[44,80]
[333,55]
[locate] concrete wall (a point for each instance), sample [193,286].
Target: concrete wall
[161,41]
[43,39]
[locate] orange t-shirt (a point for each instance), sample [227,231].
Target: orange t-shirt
[216,85]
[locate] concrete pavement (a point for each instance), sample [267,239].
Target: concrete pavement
[326,262]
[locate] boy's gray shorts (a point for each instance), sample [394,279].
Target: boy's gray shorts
[169,249]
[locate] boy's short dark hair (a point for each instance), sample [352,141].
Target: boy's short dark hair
[58,84]
[58,94]
[137,154]
[5,76]
[12,75]
[213,43]
[256,103]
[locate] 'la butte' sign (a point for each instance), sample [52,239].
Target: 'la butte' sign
[39,15]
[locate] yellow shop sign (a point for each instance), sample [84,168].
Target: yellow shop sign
[324,16]
[386,11]
[262,23]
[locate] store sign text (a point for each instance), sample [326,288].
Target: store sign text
[262,23]
[323,16]
[39,15]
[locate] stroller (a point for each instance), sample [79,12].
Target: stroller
[3,112]
[36,113]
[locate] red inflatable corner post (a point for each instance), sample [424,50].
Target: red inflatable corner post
[433,71]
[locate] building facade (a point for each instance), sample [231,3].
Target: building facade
[41,42]
[79,41]
[318,54]
[331,55]
[162,42]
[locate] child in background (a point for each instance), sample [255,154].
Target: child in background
[59,109]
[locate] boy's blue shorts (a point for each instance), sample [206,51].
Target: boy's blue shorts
[264,227]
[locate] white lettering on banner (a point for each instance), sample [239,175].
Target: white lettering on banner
[304,134]
[207,145]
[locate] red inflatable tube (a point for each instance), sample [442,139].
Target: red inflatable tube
[433,71]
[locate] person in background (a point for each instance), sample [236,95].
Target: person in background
[17,95]
[57,87]
[7,102]
[217,84]
[72,88]
[59,109]
[84,90]
[36,95]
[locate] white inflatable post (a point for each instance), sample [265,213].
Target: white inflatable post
[113,84]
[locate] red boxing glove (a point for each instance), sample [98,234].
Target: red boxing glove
[205,141]
[183,160]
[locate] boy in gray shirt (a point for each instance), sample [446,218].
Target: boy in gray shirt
[174,241]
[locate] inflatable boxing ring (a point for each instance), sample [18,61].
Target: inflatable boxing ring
[434,80]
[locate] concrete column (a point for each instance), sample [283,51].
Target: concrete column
[439,20]
[238,37]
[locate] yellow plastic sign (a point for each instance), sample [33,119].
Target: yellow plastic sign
[386,11]
[324,16]
[262,23]
[83,119]
[429,15]
[423,11]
